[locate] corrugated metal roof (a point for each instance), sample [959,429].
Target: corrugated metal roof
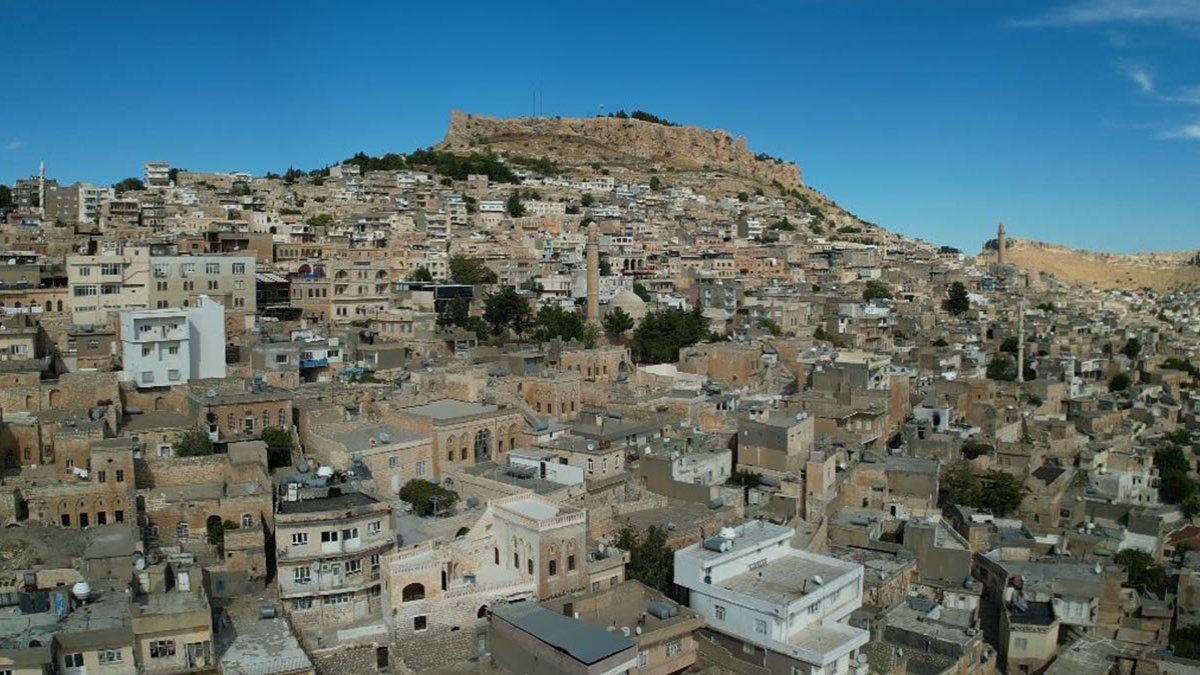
[586,644]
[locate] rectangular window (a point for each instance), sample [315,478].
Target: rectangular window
[213,285]
[85,271]
[329,536]
[374,526]
[760,626]
[553,571]
[73,660]
[302,603]
[173,350]
[374,561]
[162,269]
[110,269]
[421,468]
[353,567]
[239,268]
[187,267]
[101,476]
[120,475]
[148,376]
[674,647]
[299,538]
[212,268]
[1020,644]
[173,375]
[339,599]
[106,656]
[420,623]
[643,659]
[147,350]
[719,611]
[162,649]
[83,291]
[112,289]
[571,563]
[302,575]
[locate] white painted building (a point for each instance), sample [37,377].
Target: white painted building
[166,347]
[766,598]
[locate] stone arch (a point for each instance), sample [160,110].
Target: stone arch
[483,445]
[160,403]
[413,592]
[56,398]
[58,305]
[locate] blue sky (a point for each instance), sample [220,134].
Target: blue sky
[1076,121]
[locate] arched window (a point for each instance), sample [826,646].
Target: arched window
[412,592]
[283,423]
[247,520]
[266,419]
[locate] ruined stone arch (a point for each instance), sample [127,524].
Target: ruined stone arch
[160,403]
[413,592]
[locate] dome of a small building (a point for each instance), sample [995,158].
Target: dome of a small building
[629,301]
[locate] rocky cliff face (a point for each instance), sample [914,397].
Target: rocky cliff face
[611,141]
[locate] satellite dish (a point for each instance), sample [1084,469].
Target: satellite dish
[384,437]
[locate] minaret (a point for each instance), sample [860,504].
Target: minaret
[42,189]
[1001,242]
[593,276]
[1020,333]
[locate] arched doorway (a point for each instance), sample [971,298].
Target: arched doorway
[159,403]
[482,613]
[483,445]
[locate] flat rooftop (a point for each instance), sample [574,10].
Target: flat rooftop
[783,580]
[360,438]
[340,502]
[263,646]
[534,509]
[449,408]
[749,535]
[584,643]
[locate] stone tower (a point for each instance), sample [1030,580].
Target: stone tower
[1001,242]
[593,276]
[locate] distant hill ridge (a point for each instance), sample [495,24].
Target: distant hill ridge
[614,141]
[1167,271]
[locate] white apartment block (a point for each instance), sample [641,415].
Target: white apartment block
[166,347]
[772,604]
[157,174]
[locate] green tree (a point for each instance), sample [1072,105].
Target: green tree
[1170,458]
[276,437]
[1176,488]
[6,198]
[428,499]
[127,185]
[586,200]
[957,300]
[743,478]
[1142,571]
[770,326]
[506,309]
[1002,368]
[876,290]
[422,273]
[1010,345]
[215,531]
[555,322]
[470,270]
[660,335]
[605,265]
[959,486]
[786,225]
[1132,348]
[616,322]
[513,205]
[319,220]
[642,292]
[940,342]
[1119,382]
[655,183]
[193,443]
[743,197]
[1001,493]
[457,312]
[650,560]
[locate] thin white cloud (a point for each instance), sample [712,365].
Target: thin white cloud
[14,144]
[1183,14]
[1187,132]
[1185,95]
[1140,75]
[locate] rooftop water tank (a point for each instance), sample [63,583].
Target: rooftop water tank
[82,590]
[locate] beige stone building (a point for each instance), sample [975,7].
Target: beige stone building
[331,552]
